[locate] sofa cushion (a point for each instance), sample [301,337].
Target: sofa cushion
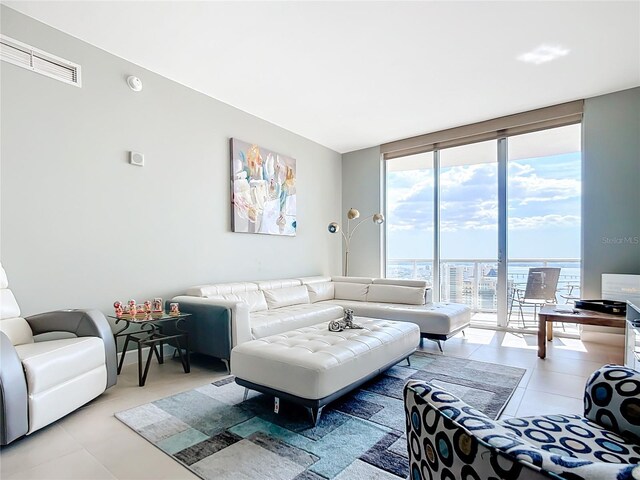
[283,297]
[396,294]
[51,363]
[221,289]
[255,299]
[365,280]
[350,291]
[315,279]
[62,375]
[320,291]
[271,322]
[401,282]
[273,284]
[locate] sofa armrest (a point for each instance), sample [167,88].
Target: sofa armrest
[240,327]
[612,400]
[14,420]
[82,323]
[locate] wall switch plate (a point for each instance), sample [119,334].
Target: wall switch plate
[136,158]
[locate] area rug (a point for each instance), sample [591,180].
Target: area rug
[217,436]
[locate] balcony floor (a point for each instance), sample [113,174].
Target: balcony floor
[527,325]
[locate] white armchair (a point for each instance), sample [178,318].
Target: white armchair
[42,381]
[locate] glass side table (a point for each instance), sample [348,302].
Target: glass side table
[151,334]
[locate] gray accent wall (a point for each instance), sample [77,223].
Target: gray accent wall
[610,187]
[362,190]
[80,227]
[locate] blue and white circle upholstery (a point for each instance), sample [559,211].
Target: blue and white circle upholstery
[612,399]
[448,439]
[574,436]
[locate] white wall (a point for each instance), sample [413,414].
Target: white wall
[80,227]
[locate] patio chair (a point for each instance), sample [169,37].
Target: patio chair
[540,290]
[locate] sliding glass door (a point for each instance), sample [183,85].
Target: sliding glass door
[544,185]
[410,218]
[473,219]
[469,226]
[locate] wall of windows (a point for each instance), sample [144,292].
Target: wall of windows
[473,219]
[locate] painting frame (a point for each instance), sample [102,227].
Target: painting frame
[263,190]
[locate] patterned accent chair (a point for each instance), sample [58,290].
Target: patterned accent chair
[448,439]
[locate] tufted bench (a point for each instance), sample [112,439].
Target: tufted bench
[312,366]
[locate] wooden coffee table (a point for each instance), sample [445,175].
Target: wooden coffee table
[548,315]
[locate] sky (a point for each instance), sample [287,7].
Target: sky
[543,213]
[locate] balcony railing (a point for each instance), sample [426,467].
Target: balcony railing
[474,281]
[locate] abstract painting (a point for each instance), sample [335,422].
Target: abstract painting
[263,189]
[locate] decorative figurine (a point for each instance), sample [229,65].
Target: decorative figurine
[346,322]
[336,326]
[141,309]
[157,305]
[118,307]
[132,308]
[173,309]
[147,306]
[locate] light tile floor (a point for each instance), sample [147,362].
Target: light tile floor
[92,444]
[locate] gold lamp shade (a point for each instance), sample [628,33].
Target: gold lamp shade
[378,219]
[353,214]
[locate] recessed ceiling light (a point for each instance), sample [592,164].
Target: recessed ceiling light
[543,53]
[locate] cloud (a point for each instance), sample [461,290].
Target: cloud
[543,221]
[526,186]
[541,193]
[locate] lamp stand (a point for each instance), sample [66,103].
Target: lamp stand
[378,219]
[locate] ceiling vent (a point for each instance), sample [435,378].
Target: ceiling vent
[36,60]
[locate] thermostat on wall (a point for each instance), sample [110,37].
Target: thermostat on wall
[136,158]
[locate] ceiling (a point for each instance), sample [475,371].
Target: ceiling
[356,74]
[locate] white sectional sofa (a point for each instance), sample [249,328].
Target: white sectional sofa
[227,314]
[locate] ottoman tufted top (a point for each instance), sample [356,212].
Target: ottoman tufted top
[313,362]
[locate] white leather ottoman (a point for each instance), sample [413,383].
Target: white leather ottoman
[312,366]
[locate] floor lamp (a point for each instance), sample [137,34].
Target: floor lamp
[352,214]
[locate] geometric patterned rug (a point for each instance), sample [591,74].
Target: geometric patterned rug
[217,436]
